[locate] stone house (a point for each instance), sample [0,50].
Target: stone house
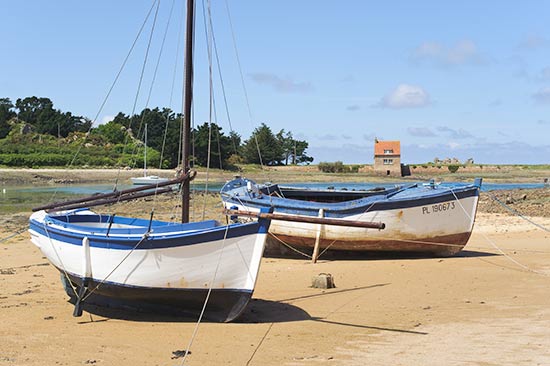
[387,157]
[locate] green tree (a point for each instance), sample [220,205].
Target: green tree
[6,113]
[40,113]
[266,142]
[300,155]
[111,132]
[293,150]
[220,145]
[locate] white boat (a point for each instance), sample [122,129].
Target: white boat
[147,179]
[149,265]
[124,262]
[421,218]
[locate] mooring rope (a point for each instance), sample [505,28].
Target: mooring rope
[521,265]
[14,234]
[289,246]
[515,212]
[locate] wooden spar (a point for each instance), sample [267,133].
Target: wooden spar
[308,219]
[116,196]
[107,201]
[187,101]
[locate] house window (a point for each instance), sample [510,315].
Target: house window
[388,151]
[388,161]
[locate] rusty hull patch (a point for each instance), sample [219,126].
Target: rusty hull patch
[444,245]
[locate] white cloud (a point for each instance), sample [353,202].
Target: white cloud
[512,152]
[533,42]
[544,74]
[420,132]
[455,134]
[283,85]
[495,103]
[542,96]
[406,96]
[353,108]
[328,137]
[463,52]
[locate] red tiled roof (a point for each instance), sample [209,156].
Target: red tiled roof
[380,146]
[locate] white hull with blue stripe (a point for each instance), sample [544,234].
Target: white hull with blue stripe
[146,265]
[418,218]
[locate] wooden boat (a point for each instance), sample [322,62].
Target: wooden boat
[151,265]
[423,218]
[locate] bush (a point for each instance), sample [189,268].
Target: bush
[336,167]
[453,168]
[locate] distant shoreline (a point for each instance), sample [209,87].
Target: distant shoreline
[285,174]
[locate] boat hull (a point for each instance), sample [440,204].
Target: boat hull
[424,220]
[171,270]
[147,180]
[223,304]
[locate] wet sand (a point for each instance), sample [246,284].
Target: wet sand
[489,305]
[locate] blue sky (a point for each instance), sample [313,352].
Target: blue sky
[468,79]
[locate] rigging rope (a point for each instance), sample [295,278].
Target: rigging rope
[139,87]
[251,119]
[174,71]
[211,285]
[104,102]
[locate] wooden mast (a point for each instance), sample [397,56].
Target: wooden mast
[188,99]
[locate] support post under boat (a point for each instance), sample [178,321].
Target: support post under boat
[318,237]
[86,275]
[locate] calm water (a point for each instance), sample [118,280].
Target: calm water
[21,199]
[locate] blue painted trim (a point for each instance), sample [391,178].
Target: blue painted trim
[408,197]
[98,238]
[264,223]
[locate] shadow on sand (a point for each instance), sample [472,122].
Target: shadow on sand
[258,311]
[365,256]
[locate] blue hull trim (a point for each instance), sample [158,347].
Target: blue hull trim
[415,197]
[99,239]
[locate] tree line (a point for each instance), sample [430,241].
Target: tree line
[34,133]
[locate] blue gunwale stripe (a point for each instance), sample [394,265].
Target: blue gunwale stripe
[358,206]
[153,242]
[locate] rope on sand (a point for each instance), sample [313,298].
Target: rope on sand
[495,198]
[521,265]
[14,234]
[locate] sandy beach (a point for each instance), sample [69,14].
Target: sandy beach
[488,305]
